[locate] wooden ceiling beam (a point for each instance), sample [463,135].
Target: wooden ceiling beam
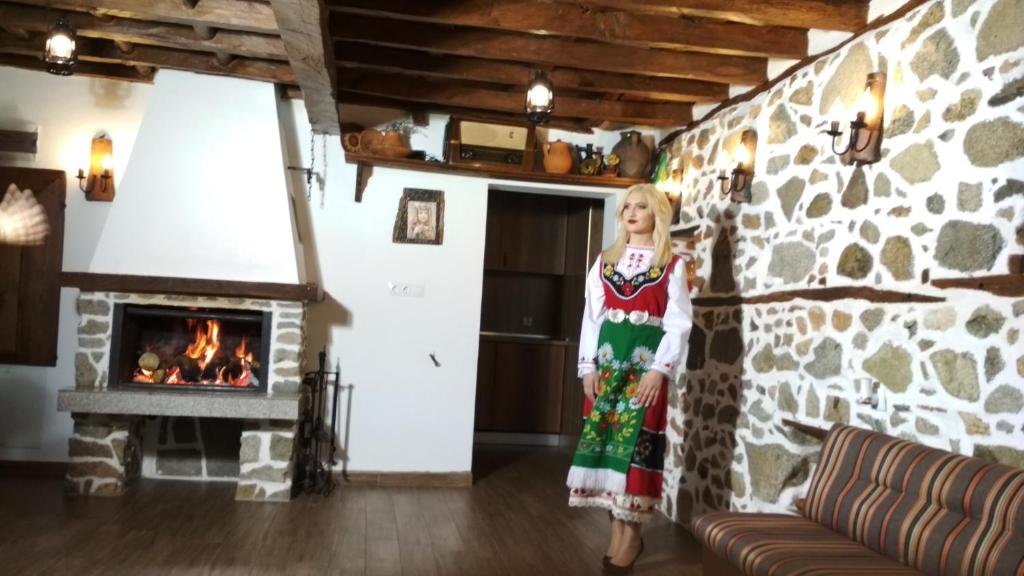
[303,28]
[488,98]
[548,51]
[152,33]
[580,125]
[842,15]
[614,27]
[228,14]
[476,69]
[89,69]
[93,50]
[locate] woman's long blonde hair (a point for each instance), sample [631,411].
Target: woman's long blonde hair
[659,203]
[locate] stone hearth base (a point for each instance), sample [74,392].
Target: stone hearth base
[106,457]
[106,454]
[267,459]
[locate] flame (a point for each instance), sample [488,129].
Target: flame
[143,376]
[205,345]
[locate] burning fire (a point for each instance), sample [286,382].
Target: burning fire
[205,345]
[204,350]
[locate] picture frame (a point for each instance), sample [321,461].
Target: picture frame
[420,218]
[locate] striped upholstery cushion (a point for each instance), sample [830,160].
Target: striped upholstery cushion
[783,545]
[938,512]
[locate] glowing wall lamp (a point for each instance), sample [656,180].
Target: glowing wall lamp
[738,186]
[99,184]
[60,53]
[540,99]
[865,143]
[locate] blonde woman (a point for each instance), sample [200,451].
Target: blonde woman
[635,326]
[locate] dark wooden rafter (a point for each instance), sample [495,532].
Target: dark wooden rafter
[94,50]
[417,63]
[227,14]
[489,98]
[303,28]
[196,37]
[548,51]
[119,72]
[843,15]
[580,125]
[614,27]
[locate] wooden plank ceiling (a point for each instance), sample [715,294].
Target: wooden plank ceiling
[613,62]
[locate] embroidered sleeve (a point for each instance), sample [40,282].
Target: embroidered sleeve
[593,316]
[676,323]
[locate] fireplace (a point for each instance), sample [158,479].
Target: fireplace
[176,348]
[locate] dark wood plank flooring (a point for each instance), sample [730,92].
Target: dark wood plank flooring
[513,521]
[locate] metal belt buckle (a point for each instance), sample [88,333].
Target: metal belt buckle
[616,316]
[638,317]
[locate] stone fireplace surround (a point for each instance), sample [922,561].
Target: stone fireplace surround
[105,450]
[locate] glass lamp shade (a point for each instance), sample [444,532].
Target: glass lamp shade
[540,99]
[60,54]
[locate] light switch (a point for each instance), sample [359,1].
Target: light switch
[408,290]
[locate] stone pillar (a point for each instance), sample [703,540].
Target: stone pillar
[267,460]
[105,454]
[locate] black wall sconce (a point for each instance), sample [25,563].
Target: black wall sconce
[540,99]
[738,186]
[865,143]
[60,53]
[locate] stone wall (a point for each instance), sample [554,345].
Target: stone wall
[187,448]
[96,312]
[104,454]
[946,201]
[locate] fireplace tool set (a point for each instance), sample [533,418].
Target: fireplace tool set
[316,440]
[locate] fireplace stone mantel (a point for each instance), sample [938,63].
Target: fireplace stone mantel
[198,404]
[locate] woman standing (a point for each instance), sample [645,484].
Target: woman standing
[635,324]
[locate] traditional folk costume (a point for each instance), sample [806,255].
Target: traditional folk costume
[637,318]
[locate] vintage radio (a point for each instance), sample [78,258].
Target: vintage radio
[489,142]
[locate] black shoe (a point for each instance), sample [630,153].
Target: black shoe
[610,568]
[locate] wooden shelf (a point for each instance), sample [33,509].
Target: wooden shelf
[1001,285]
[89,282]
[366,163]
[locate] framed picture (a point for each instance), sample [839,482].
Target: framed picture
[420,218]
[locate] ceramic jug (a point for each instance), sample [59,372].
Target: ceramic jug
[634,155]
[557,157]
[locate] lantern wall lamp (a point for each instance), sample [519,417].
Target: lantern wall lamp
[540,98]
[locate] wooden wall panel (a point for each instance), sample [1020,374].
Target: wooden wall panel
[39,275]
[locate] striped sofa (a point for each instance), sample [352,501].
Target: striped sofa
[879,505]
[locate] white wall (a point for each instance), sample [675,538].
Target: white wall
[194,156]
[405,413]
[204,195]
[67,112]
[201,193]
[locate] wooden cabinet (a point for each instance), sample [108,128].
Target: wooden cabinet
[538,252]
[30,276]
[526,233]
[519,387]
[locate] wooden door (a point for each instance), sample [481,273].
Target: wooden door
[533,232]
[30,276]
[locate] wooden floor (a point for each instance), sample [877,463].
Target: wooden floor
[513,521]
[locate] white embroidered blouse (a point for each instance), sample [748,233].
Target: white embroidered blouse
[676,323]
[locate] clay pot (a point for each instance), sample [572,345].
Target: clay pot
[634,155]
[392,146]
[557,157]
